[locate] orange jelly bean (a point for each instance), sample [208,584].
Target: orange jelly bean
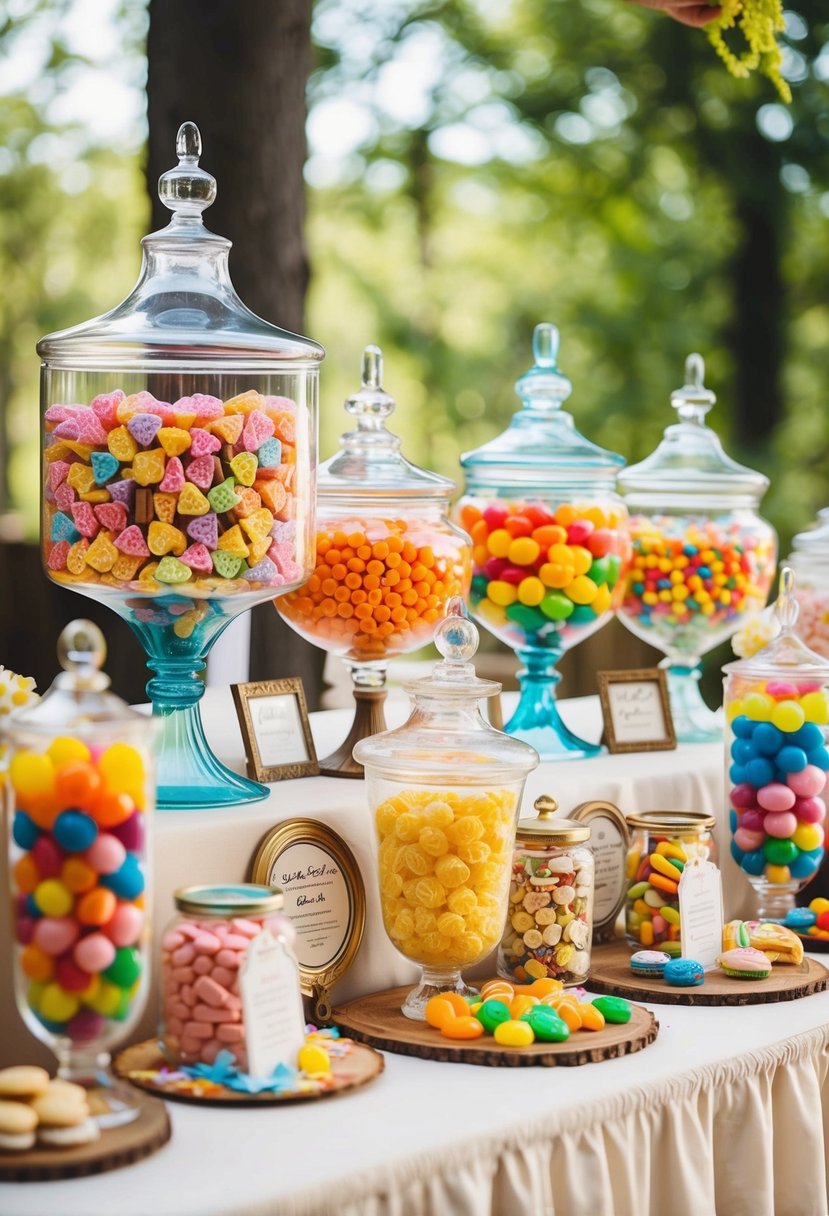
[439,1011]
[591,1017]
[520,1004]
[462,1028]
[460,1006]
[97,907]
[38,965]
[544,987]
[498,989]
[77,783]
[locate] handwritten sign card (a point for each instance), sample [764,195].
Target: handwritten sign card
[271,1005]
[636,710]
[700,912]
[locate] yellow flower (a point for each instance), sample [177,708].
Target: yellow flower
[758,21]
[16,692]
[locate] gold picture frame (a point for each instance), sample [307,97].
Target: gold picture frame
[289,706]
[324,896]
[609,842]
[636,710]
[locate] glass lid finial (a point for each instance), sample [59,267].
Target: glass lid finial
[786,608]
[544,386]
[693,401]
[187,190]
[456,639]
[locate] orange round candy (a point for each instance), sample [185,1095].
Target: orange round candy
[97,907]
[78,876]
[465,1027]
[439,1011]
[36,964]
[109,810]
[43,809]
[77,783]
[544,987]
[591,1017]
[26,876]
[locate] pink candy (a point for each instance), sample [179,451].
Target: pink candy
[780,824]
[94,953]
[809,781]
[776,797]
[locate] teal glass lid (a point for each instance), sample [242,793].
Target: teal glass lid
[541,446]
[689,466]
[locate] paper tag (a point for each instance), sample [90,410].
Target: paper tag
[700,912]
[271,1005]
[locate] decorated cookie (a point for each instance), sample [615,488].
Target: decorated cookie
[745,963]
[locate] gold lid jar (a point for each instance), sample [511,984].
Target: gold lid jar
[661,843]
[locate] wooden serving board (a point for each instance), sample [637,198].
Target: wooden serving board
[359,1067]
[610,973]
[117,1147]
[377,1020]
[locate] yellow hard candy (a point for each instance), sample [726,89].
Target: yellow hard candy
[314,1060]
[164,538]
[258,548]
[191,501]
[102,554]
[148,467]
[233,542]
[258,524]
[58,1005]
[65,748]
[32,774]
[126,568]
[514,1034]
[76,557]
[174,440]
[164,505]
[121,444]
[244,466]
[81,477]
[94,496]
[122,768]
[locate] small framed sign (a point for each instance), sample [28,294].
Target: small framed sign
[609,840]
[636,710]
[324,897]
[273,718]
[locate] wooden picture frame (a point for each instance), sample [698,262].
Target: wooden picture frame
[609,842]
[636,710]
[324,896]
[286,750]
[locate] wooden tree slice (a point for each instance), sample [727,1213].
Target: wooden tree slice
[377,1020]
[610,972]
[117,1147]
[359,1067]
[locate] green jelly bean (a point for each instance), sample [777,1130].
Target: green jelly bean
[546,1024]
[780,852]
[126,968]
[525,616]
[674,861]
[638,890]
[672,948]
[557,606]
[491,1014]
[614,1008]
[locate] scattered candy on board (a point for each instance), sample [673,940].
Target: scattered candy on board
[684,973]
[812,921]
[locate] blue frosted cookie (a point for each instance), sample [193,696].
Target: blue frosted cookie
[649,963]
[684,972]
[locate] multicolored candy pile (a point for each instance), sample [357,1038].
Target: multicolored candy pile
[200,495]
[545,576]
[690,582]
[78,878]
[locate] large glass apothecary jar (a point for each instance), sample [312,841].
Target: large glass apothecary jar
[810,561]
[661,845]
[388,560]
[444,790]
[777,762]
[550,920]
[550,543]
[81,796]
[179,456]
[703,558]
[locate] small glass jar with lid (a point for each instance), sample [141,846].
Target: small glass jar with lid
[388,560]
[179,452]
[550,920]
[703,558]
[81,795]
[661,844]
[810,561]
[777,762]
[444,790]
[550,543]
[202,952]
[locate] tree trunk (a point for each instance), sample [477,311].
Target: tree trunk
[239,69]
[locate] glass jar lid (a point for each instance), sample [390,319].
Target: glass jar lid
[370,463]
[681,822]
[813,543]
[445,740]
[785,657]
[541,446]
[235,899]
[546,829]
[78,699]
[689,467]
[183,309]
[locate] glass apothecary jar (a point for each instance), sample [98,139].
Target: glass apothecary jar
[661,843]
[777,762]
[387,562]
[549,925]
[550,544]
[179,455]
[202,952]
[810,561]
[703,558]
[444,790]
[80,798]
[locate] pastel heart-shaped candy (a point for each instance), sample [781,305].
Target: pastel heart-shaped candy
[144,428]
[76,557]
[173,479]
[174,440]
[58,555]
[202,443]
[105,407]
[228,429]
[200,471]
[244,403]
[191,501]
[104,466]
[81,477]
[171,570]
[205,530]
[244,466]
[270,454]
[164,538]
[222,497]
[85,521]
[63,528]
[121,444]
[122,491]
[202,405]
[131,541]
[258,428]
[58,470]
[112,515]
[226,564]
[64,497]
[284,530]
[84,427]
[197,557]
[126,567]
[164,506]
[263,572]
[59,413]
[148,467]
[258,524]
[102,554]
[234,542]
[273,495]
[249,501]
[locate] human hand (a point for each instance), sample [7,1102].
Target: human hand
[688,12]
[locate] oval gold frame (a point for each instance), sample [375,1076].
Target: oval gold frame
[585,812]
[311,831]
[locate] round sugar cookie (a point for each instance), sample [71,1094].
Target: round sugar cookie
[69,1137]
[23,1081]
[17,1118]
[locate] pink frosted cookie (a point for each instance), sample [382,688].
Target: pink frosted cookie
[745,963]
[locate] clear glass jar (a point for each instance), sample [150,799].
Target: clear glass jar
[810,562]
[80,797]
[777,762]
[387,558]
[551,548]
[549,925]
[651,901]
[703,559]
[444,790]
[179,456]
[202,950]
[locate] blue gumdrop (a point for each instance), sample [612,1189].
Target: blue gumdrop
[104,466]
[819,756]
[800,919]
[806,864]
[743,750]
[737,773]
[31,907]
[759,772]
[808,737]
[128,881]
[63,528]
[791,759]
[743,727]
[733,821]
[767,739]
[736,852]
[753,863]
[74,831]
[24,831]
[270,454]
